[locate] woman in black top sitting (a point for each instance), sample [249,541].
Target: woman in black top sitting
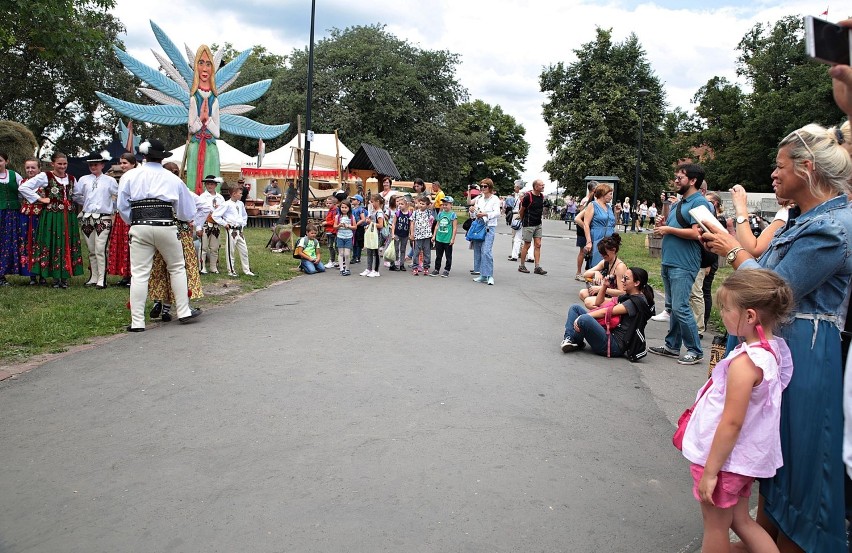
[582,325]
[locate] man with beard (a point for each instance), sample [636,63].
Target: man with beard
[681,259]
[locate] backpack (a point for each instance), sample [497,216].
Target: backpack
[637,347]
[708,258]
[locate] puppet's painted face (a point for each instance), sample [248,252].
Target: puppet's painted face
[204,68]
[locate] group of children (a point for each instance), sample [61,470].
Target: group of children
[394,232]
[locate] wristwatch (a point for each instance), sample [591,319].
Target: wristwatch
[740,219]
[732,255]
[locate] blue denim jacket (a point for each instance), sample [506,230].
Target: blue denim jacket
[813,254]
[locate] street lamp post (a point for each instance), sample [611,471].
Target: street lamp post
[642,92]
[306,166]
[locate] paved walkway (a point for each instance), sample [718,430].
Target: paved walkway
[458,426]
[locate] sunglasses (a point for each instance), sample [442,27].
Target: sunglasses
[624,278]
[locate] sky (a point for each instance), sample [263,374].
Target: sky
[503,44]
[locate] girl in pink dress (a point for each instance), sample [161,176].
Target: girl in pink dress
[734,436]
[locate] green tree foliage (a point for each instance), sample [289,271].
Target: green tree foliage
[592,110]
[376,88]
[788,91]
[495,144]
[56,54]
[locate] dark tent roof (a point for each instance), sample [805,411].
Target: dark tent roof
[78,167]
[371,158]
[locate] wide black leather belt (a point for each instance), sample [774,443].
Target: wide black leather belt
[152,212]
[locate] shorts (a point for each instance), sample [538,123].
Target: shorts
[581,239]
[344,243]
[529,233]
[730,487]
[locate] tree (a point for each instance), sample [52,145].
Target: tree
[376,88]
[592,110]
[56,54]
[788,91]
[495,145]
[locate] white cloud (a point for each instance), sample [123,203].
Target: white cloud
[504,44]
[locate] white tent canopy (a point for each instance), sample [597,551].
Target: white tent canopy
[324,151]
[231,160]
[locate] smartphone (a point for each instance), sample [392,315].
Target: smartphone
[827,42]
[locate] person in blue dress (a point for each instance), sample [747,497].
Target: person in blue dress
[601,220]
[803,504]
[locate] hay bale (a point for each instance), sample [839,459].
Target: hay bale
[18,142]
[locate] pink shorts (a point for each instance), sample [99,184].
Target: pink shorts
[730,487]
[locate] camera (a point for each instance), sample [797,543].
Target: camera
[610,279]
[754,225]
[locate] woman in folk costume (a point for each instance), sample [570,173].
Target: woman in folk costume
[11,231]
[30,214]
[119,240]
[56,252]
[203,155]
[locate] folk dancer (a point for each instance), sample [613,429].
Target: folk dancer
[159,287]
[232,215]
[209,257]
[96,193]
[56,252]
[149,198]
[11,232]
[30,213]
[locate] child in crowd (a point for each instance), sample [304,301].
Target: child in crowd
[733,435]
[444,236]
[421,235]
[210,231]
[308,252]
[400,227]
[359,212]
[330,236]
[345,229]
[232,215]
[377,217]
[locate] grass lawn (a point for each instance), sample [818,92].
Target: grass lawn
[36,320]
[635,252]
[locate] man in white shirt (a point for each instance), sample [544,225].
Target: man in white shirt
[96,194]
[209,258]
[232,215]
[149,200]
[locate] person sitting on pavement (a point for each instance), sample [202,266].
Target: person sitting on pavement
[609,265]
[582,325]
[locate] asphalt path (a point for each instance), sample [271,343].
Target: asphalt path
[333,413]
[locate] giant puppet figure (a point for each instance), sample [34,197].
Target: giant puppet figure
[194,95]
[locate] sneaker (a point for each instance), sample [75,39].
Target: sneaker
[512,258]
[579,278]
[333,264]
[233,275]
[480,279]
[523,269]
[203,271]
[392,267]
[568,346]
[347,272]
[402,268]
[365,272]
[434,273]
[445,274]
[414,271]
[539,271]
[249,273]
[662,317]
[688,359]
[664,351]
[490,281]
[373,274]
